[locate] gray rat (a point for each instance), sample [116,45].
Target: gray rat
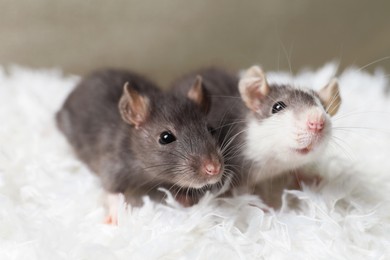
[137,138]
[271,129]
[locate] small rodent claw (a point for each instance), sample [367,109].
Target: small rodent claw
[111,220]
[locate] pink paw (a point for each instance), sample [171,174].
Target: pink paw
[112,203]
[111,220]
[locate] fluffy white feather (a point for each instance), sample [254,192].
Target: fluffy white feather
[51,206]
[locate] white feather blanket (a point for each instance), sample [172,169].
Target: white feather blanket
[51,206]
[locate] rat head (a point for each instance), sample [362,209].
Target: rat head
[170,137]
[287,126]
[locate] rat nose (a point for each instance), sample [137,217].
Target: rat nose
[212,168]
[316,124]
[315,120]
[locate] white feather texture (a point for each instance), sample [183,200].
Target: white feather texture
[51,206]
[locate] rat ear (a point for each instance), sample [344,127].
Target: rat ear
[330,97]
[133,107]
[198,94]
[253,87]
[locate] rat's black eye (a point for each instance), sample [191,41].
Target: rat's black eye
[278,106]
[211,130]
[166,138]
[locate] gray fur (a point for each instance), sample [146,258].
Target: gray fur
[295,99]
[226,112]
[130,160]
[229,115]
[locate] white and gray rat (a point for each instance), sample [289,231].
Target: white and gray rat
[137,138]
[287,129]
[286,126]
[266,130]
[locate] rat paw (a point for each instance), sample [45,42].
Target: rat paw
[111,220]
[113,201]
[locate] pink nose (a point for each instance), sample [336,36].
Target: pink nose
[316,125]
[212,168]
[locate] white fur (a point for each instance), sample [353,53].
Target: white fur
[51,206]
[271,143]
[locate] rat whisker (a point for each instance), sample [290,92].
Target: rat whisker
[221,96]
[331,107]
[235,151]
[385,131]
[230,141]
[222,119]
[335,118]
[226,138]
[370,138]
[286,53]
[233,177]
[232,123]
[162,165]
[373,62]
[347,154]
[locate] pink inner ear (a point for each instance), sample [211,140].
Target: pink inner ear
[252,101]
[330,97]
[253,88]
[195,94]
[134,107]
[257,106]
[139,109]
[198,95]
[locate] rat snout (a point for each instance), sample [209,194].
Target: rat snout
[316,121]
[315,125]
[313,131]
[211,167]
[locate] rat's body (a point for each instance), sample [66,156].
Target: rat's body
[274,129]
[137,138]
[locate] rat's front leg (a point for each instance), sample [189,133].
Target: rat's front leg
[112,200]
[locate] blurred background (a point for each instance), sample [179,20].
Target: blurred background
[164,39]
